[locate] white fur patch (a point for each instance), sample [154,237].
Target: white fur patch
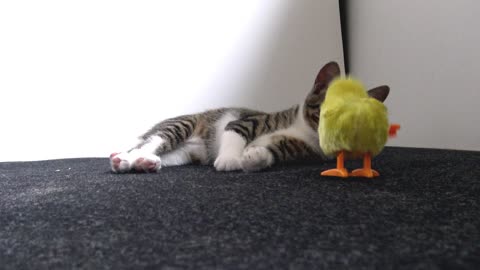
[193,146]
[230,152]
[176,157]
[220,129]
[152,144]
[228,146]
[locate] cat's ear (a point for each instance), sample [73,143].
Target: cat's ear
[380,93]
[328,72]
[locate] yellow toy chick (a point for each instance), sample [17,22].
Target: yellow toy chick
[353,123]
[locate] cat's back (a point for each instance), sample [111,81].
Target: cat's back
[211,122]
[216,114]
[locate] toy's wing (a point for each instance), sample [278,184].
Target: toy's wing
[330,130]
[329,113]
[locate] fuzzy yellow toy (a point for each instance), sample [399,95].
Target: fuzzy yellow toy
[353,123]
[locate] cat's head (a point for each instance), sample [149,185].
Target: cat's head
[311,107]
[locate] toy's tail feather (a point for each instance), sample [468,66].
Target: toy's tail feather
[392,131]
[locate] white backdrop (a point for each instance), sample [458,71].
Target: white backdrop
[85,78]
[428,51]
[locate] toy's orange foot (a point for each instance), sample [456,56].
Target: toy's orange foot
[335,172]
[368,173]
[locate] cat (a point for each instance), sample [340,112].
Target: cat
[235,138]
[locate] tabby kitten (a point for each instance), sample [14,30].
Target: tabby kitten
[233,138]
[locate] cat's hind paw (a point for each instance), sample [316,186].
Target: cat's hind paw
[256,158]
[120,162]
[147,163]
[127,162]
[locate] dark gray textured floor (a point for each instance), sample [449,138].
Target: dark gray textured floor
[422,213]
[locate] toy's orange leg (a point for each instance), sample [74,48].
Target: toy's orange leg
[366,171]
[340,171]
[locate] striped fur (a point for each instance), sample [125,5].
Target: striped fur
[252,127]
[257,139]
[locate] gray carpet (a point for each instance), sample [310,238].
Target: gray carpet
[422,213]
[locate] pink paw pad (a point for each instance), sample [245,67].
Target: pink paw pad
[145,165]
[116,163]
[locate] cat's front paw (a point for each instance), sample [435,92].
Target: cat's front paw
[256,158]
[223,163]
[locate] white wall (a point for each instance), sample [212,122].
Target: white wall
[428,52]
[84,78]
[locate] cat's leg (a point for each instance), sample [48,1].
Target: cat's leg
[193,151]
[242,132]
[269,150]
[230,151]
[162,138]
[230,144]
[140,158]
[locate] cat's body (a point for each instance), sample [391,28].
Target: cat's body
[232,138]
